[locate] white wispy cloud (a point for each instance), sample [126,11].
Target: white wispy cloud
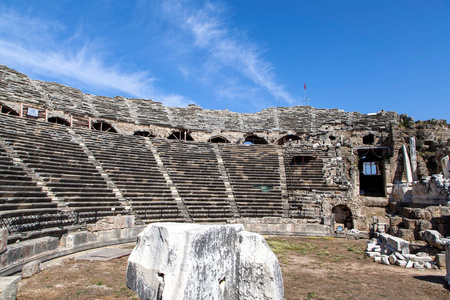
[32,44]
[225,46]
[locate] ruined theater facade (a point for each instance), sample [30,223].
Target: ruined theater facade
[63,151]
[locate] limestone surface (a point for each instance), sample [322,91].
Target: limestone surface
[191,261]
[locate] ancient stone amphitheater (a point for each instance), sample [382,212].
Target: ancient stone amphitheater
[68,159]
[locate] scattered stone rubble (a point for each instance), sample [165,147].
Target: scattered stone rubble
[391,250]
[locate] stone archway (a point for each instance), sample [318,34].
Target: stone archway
[103,126]
[254,139]
[180,135]
[218,139]
[144,133]
[287,139]
[7,110]
[343,215]
[58,120]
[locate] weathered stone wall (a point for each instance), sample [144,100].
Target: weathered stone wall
[336,133]
[53,99]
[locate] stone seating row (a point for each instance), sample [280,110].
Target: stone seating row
[55,154]
[132,167]
[255,178]
[194,170]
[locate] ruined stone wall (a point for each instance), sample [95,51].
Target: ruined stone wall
[338,133]
[271,123]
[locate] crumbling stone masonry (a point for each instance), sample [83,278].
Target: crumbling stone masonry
[316,166]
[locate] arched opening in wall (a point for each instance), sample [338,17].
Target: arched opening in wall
[368,139]
[103,126]
[254,139]
[371,172]
[180,135]
[342,217]
[58,120]
[287,139]
[144,134]
[218,139]
[7,110]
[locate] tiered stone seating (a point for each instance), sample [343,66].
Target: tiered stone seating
[19,195]
[255,178]
[63,165]
[132,167]
[194,170]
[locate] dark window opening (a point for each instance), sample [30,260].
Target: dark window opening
[254,139]
[342,216]
[144,134]
[371,168]
[218,139]
[300,160]
[287,139]
[58,120]
[369,139]
[180,135]
[371,177]
[103,126]
[8,111]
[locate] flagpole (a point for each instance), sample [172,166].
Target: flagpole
[304,93]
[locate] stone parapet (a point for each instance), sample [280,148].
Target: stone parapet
[283,226]
[47,248]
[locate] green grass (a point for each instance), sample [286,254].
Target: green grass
[353,248]
[280,246]
[323,253]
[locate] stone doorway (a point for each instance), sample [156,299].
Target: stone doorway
[371,173]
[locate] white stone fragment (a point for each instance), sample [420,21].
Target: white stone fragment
[191,261]
[385,260]
[401,263]
[427,265]
[373,254]
[409,264]
[399,256]
[377,259]
[392,259]
[419,265]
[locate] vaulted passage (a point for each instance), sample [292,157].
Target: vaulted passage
[103,126]
[218,139]
[180,135]
[371,179]
[287,139]
[58,120]
[144,134]
[343,216]
[7,110]
[254,139]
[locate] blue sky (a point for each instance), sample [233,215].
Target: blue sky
[242,55]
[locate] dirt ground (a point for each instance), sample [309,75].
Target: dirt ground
[313,268]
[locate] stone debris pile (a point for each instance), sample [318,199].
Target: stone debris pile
[390,250]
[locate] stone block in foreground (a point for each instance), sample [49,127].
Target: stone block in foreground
[191,261]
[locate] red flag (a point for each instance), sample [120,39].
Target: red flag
[304,86]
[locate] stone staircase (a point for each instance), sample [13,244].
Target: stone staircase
[131,165]
[193,168]
[255,178]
